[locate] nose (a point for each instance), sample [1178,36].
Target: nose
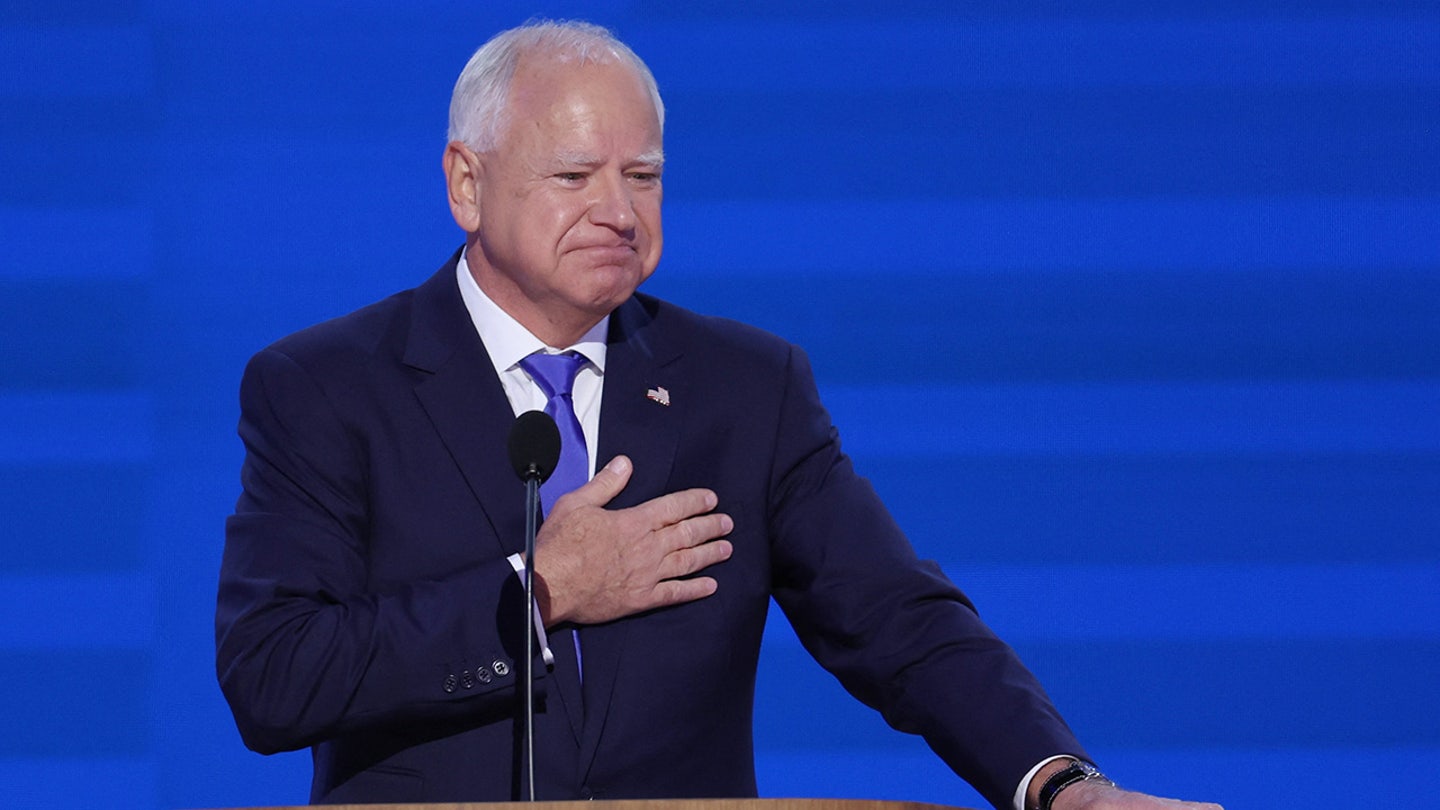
[613,206]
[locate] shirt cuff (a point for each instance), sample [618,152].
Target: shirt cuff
[1029,777]
[517,562]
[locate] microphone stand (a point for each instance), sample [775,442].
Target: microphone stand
[534,446]
[532,510]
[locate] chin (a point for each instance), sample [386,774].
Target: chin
[605,302]
[615,282]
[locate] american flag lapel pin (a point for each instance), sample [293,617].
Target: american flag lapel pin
[658,394]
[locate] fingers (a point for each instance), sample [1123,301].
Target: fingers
[693,545]
[676,507]
[686,561]
[693,531]
[656,514]
[679,591]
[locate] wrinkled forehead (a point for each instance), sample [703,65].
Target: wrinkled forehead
[542,79]
[580,97]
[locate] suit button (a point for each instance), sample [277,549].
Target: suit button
[501,668]
[483,675]
[450,683]
[467,681]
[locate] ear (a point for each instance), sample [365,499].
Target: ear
[462,180]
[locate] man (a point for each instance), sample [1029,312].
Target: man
[370,602]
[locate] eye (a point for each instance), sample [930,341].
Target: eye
[570,177]
[645,178]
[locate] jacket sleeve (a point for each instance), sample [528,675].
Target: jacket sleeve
[893,629]
[306,648]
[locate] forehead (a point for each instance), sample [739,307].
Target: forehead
[569,102]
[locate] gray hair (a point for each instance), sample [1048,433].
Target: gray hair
[479,106]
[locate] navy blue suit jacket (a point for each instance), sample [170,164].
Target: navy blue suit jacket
[367,610]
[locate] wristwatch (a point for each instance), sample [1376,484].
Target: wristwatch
[1078,771]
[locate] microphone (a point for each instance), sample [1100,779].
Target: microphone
[534,446]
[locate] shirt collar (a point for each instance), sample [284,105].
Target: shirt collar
[507,341]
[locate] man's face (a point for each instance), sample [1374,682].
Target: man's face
[569,201]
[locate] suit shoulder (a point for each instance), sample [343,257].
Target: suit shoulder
[350,339]
[715,335]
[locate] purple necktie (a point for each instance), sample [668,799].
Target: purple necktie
[555,374]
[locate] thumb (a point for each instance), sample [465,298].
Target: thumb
[607,483]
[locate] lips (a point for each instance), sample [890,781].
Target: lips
[607,254]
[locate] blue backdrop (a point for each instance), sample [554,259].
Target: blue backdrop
[1180,268]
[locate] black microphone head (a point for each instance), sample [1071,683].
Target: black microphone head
[534,445]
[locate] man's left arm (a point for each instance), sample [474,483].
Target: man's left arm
[898,634]
[892,628]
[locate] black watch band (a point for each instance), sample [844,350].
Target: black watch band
[1078,771]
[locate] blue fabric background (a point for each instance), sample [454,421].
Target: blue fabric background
[1181,264]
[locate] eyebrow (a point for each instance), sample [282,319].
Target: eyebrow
[577,159]
[654,157]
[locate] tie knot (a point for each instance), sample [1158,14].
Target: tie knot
[555,373]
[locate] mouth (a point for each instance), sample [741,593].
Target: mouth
[607,254]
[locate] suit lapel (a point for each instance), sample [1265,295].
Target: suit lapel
[467,405]
[635,425]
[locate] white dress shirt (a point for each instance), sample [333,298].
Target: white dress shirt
[508,343]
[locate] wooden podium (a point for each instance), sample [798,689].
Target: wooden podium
[650,804]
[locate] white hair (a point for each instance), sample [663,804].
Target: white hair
[479,106]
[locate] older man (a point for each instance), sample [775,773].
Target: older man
[370,602]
